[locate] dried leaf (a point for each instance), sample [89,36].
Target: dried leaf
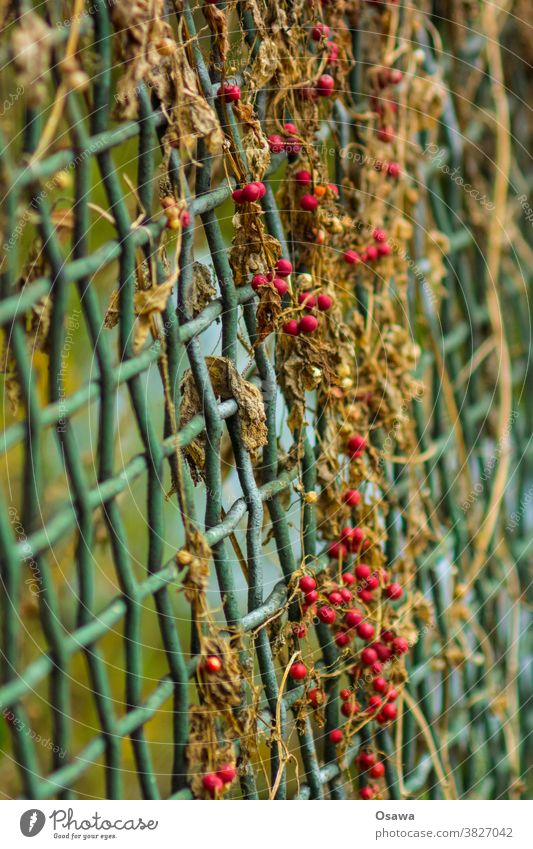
[202,290]
[227,383]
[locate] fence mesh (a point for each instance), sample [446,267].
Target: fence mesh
[362,422]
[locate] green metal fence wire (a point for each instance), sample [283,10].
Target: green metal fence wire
[93,138]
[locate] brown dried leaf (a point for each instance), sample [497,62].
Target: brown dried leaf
[202,290]
[266,63]
[227,383]
[217,22]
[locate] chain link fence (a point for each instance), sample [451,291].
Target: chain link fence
[178,435]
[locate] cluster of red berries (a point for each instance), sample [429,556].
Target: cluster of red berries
[308,323]
[177,217]
[283,269]
[372,252]
[249,193]
[391,168]
[214,782]
[320,33]
[290,143]
[371,767]
[309,202]
[386,77]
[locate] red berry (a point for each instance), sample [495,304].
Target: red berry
[366,760]
[290,128]
[299,630]
[351,257]
[372,253]
[319,31]
[227,773]
[395,76]
[336,549]
[365,596]
[262,188]
[326,614]
[366,632]
[308,324]
[368,656]
[291,327]
[387,636]
[333,188]
[332,52]
[353,618]
[380,684]
[307,583]
[345,695]
[358,539]
[311,597]
[384,249]
[312,697]
[258,280]
[336,736]
[335,597]
[276,143]
[250,193]
[372,582]
[392,695]
[345,595]
[308,203]
[325,85]
[362,571]
[304,178]
[393,169]
[212,783]
[400,645]
[386,134]
[185,218]
[283,267]
[366,793]
[230,93]
[324,302]
[298,671]
[383,651]
[348,578]
[374,703]
[377,771]
[281,286]
[389,712]
[237,196]
[393,591]
[377,667]
[356,445]
[213,664]
[342,639]
[351,497]
[307,300]
[379,234]
[349,709]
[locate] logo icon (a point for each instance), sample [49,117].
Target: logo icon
[32,822]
